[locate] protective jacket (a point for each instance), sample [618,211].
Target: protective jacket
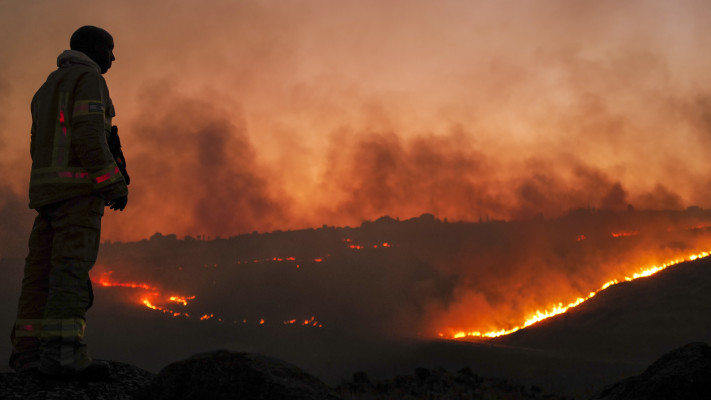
[71,123]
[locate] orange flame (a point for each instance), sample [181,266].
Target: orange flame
[181,299]
[104,280]
[148,304]
[539,315]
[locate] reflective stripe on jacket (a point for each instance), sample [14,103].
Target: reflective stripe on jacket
[71,121]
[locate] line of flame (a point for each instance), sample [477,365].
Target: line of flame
[539,315]
[150,305]
[183,300]
[106,282]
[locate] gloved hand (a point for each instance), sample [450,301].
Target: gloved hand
[118,203]
[115,147]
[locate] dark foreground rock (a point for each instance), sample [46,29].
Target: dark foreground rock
[226,375]
[439,384]
[216,375]
[683,374]
[125,382]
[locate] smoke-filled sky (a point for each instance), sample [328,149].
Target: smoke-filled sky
[259,115]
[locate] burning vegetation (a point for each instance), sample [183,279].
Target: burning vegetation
[560,308]
[150,297]
[421,277]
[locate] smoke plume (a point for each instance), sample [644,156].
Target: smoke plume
[273,115]
[195,165]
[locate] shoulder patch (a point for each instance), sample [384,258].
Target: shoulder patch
[88,107]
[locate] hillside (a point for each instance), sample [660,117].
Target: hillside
[631,321]
[414,278]
[335,300]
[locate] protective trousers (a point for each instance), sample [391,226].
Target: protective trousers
[56,290]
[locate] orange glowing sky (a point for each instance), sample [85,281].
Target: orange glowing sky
[258,115]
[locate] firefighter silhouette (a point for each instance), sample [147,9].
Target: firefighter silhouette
[74,176]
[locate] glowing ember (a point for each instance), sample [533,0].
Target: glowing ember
[354,246]
[624,234]
[539,315]
[349,244]
[306,322]
[282,259]
[312,322]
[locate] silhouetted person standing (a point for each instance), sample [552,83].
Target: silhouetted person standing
[74,175]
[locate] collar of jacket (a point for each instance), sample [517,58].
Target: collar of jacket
[69,57]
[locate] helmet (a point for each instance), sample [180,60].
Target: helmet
[95,43]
